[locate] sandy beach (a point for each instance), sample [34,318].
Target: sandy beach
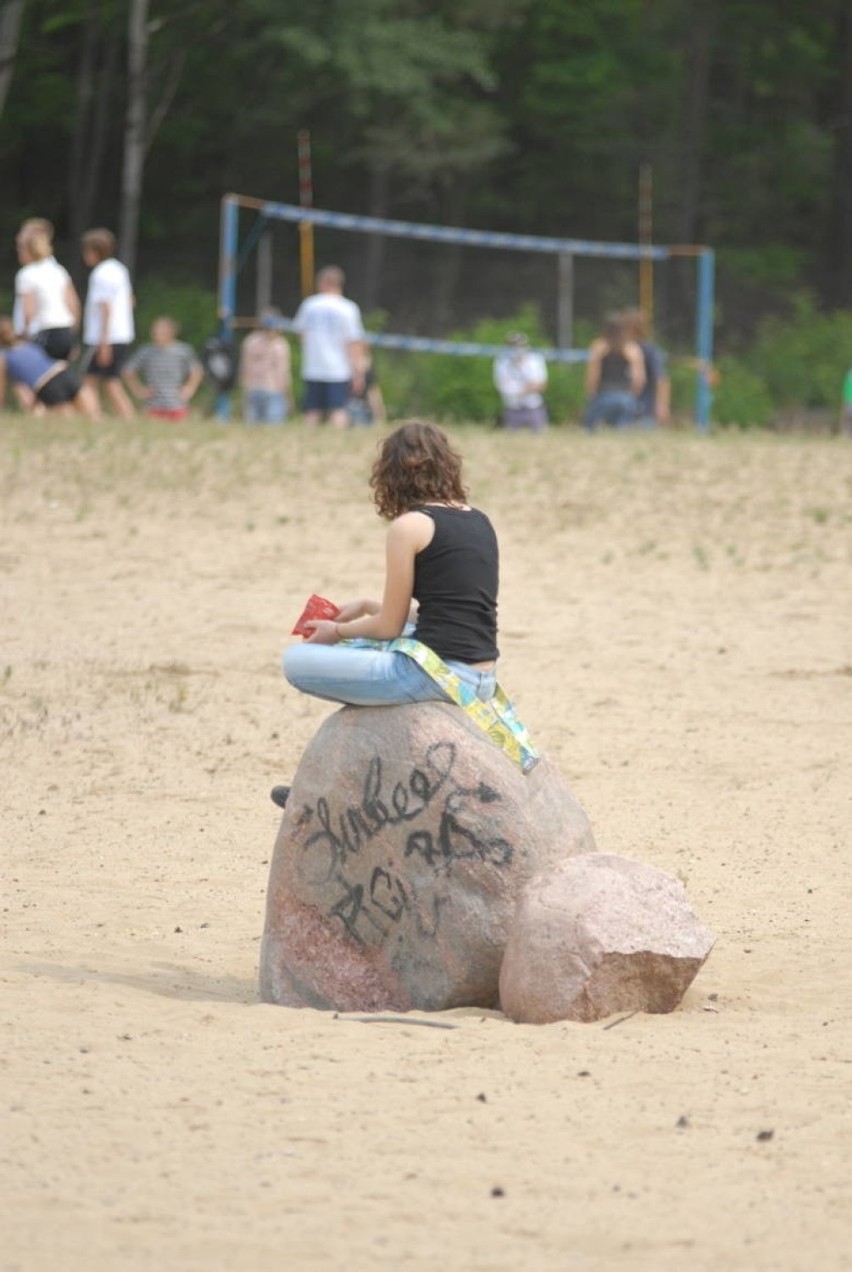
[676,630]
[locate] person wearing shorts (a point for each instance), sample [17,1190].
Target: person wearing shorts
[47,307]
[108,329]
[333,350]
[50,381]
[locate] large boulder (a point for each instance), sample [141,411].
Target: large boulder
[406,841]
[597,935]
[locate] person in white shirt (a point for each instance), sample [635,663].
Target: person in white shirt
[108,329]
[47,307]
[333,349]
[520,376]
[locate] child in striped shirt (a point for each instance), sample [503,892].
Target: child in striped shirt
[164,374]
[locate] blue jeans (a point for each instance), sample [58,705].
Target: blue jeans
[372,677]
[614,406]
[262,406]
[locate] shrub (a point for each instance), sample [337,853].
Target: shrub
[803,359]
[741,397]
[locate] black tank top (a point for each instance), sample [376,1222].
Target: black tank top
[455,585]
[615,372]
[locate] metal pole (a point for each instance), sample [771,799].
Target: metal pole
[228,237]
[704,338]
[263,286]
[228,264]
[646,235]
[306,200]
[565,302]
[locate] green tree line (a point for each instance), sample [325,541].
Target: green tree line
[525,115]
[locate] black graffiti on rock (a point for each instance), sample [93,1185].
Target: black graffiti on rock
[369,906]
[343,834]
[457,841]
[370,911]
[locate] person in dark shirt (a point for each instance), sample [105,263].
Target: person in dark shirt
[615,377]
[654,401]
[433,635]
[442,554]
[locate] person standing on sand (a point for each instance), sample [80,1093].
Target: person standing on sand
[265,377]
[108,329]
[47,307]
[368,406]
[520,377]
[654,401]
[169,370]
[333,349]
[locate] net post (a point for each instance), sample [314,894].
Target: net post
[565,301]
[263,280]
[646,231]
[228,237]
[306,200]
[704,337]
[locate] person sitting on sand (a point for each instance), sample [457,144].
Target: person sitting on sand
[50,380]
[442,554]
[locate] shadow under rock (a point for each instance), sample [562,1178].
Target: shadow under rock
[168,980]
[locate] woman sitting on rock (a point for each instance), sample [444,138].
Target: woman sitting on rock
[442,554]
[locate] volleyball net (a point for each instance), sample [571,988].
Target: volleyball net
[240,241]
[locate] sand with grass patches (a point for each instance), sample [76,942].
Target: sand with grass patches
[677,632]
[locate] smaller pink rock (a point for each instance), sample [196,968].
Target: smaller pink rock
[599,934]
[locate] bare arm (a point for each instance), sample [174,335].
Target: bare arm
[137,388]
[286,371]
[193,380]
[406,537]
[636,365]
[377,404]
[663,404]
[72,300]
[356,609]
[104,352]
[357,353]
[593,367]
[28,308]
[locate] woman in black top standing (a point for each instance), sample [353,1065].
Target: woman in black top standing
[440,553]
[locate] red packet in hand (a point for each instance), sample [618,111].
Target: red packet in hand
[317,607]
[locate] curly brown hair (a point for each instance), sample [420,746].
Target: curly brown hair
[416,465]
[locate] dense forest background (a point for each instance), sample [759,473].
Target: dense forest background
[525,115]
